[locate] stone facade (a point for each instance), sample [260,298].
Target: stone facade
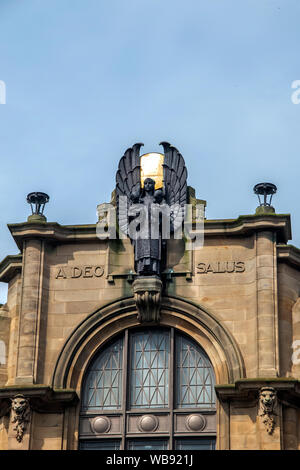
[237,296]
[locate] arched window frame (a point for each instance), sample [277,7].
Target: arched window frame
[127,412]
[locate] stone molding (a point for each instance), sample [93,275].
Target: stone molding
[116,316]
[289,254]
[246,392]
[247,224]
[43,399]
[243,225]
[9,266]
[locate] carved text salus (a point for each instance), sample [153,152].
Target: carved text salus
[221,267]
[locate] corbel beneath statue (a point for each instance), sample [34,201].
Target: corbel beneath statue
[147,296]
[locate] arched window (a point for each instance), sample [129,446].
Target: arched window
[149,389]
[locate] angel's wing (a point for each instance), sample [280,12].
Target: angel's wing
[175,176]
[127,181]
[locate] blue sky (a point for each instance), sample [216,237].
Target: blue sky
[86,79]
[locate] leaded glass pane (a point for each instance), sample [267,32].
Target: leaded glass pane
[103,387]
[194,376]
[149,367]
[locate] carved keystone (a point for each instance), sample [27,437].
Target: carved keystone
[147,295]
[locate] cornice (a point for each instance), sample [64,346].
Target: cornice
[43,398]
[289,254]
[242,226]
[247,390]
[9,266]
[247,224]
[52,231]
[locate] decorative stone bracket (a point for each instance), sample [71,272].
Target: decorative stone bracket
[41,398]
[147,296]
[20,415]
[248,390]
[267,407]
[267,393]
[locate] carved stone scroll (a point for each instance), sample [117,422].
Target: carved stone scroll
[147,296]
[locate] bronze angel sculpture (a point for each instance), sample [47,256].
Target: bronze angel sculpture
[141,205]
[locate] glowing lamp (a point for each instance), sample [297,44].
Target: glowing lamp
[152,167]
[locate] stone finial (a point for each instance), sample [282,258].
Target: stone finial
[267,407]
[20,414]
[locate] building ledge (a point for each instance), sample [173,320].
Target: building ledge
[242,226]
[247,224]
[43,398]
[247,390]
[289,254]
[52,231]
[9,266]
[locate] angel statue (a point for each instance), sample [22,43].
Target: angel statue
[146,203]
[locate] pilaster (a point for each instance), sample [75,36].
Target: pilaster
[267,321]
[33,254]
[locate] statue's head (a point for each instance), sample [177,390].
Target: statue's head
[149,185]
